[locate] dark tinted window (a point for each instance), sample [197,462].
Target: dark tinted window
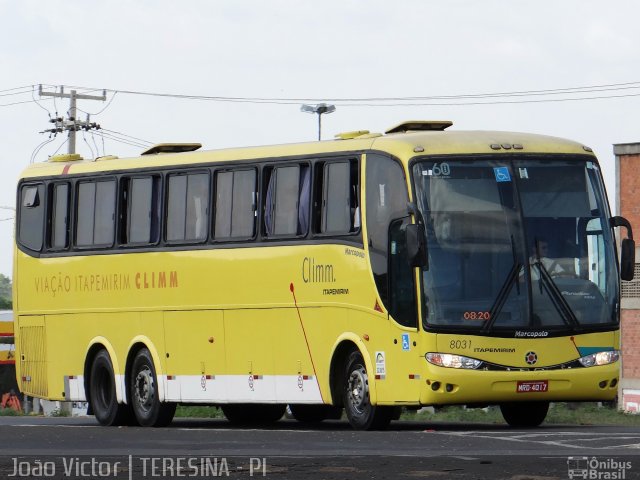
[60,216]
[96,213]
[235,204]
[31,216]
[188,207]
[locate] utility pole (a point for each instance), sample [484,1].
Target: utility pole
[72,124]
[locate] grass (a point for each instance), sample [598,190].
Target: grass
[185,411]
[9,412]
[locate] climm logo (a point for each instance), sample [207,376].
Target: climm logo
[313,272]
[146,280]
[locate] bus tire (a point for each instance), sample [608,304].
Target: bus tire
[102,393]
[524,414]
[144,395]
[314,413]
[357,402]
[253,413]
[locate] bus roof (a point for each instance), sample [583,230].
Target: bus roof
[398,142]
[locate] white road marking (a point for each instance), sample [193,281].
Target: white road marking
[556,438]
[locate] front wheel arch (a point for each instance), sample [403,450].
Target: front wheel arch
[343,347]
[361,411]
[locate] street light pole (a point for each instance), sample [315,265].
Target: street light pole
[319,109]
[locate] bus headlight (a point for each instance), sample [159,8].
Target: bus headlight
[452,361]
[600,358]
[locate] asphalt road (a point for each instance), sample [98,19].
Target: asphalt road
[71,447]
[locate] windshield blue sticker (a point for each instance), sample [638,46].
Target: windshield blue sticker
[502,174]
[405,342]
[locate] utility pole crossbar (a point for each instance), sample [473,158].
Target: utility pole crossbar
[72,124]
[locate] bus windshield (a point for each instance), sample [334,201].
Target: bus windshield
[516,245]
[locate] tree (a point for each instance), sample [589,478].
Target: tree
[6,302]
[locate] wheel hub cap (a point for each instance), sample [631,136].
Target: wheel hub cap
[145,390]
[358,389]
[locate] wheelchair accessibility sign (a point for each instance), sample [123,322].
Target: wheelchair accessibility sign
[405,342]
[502,174]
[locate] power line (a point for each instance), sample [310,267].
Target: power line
[492,98]
[120,140]
[128,136]
[28,87]
[105,107]
[15,93]
[373,101]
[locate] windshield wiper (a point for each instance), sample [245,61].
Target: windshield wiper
[503,294]
[558,300]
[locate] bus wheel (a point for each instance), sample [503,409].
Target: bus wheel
[253,413]
[314,413]
[149,411]
[102,393]
[357,404]
[524,414]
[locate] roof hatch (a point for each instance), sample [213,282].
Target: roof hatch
[420,125]
[172,148]
[66,157]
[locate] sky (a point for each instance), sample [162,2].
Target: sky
[328,50]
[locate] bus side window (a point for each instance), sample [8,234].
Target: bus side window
[95,211]
[141,201]
[59,216]
[286,205]
[31,227]
[188,207]
[336,203]
[235,204]
[336,207]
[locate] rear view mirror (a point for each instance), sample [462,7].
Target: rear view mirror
[416,246]
[627,259]
[627,249]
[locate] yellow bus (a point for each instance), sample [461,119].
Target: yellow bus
[423,266]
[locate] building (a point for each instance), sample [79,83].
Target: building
[627,157]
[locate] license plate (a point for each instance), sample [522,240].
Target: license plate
[539,386]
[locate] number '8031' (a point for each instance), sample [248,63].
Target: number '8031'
[459,344]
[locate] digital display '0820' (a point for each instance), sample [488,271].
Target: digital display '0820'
[476,315]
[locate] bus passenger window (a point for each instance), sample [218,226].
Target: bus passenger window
[188,207]
[96,213]
[143,213]
[60,216]
[31,225]
[235,204]
[337,216]
[287,200]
